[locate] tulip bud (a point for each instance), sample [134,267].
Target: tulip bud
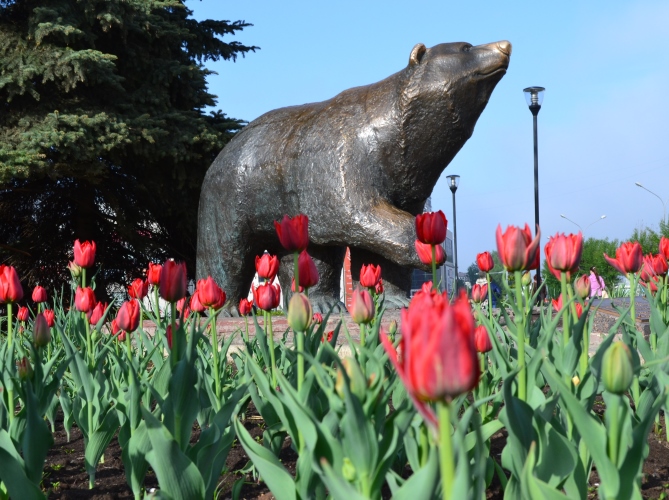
[173,281]
[299,312]
[195,303]
[138,289]
[84,253]
[362,306]
[50,317]
[479,293]
[358,383]
[210,294]
[245,306]
[39,294]
[370,275]
[328,336]
[318,318]
[153,274]
[267,266]
[128,315]
[582,287]
[114,327]
[98,312]
[617,370]
[431,227]
[10,287]
[575,380]
[24,369]
[84,299]
[378,289]
[293,233]
[75,270]
[392,328]
[41,331]
[526,278]
[308,273]
[485,262]
[22,314]
[482,339]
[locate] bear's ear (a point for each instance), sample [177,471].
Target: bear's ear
[417,54]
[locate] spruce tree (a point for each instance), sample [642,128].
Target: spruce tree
[103,132]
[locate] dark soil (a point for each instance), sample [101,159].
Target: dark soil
[65,476]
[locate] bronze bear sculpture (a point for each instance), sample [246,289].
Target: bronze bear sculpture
[361,166]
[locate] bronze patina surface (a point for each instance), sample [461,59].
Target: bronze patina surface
[361,166]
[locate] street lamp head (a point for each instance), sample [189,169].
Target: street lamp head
[603,217]
[453,181]
[534,97]
[638,184]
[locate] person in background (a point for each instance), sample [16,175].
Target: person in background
[596,284]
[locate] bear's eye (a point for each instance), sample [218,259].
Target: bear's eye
[465,48]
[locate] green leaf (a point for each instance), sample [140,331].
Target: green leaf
[99,440]
[12,472]
[37,439]
[534,488]
[277,478]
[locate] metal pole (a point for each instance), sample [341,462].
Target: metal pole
[455,242]
[535,111]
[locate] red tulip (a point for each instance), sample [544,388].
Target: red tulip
[195,303]
[267,266]
[485,262]
[557,306]
[318,318]
[84,253]
[517,250]
[582,287]
[424,252]
[267,296]
[293,233]
[653,265]
[121,336]
[307,269]
[369,275]
[438,359]
[10,287]
[479,293]
[563,254]
[127,317]
[114,327]
[245,306]
[629,258]
[664,247]
[361,308]
[153,273]
[652,284]
[210,294]
[98,312]
[378,289]
[328,336]
[173,281]
[39,294]
[482,339]
[292,286]
[50,317]
[138,289]
[431,227]
[41,332]
[22,314]
[84,299]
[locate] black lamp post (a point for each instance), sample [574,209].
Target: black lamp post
[534,97]
[453,181]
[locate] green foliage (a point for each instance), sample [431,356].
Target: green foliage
[103,134]
[473,273]
[649,239]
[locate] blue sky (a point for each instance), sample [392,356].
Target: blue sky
[602,126]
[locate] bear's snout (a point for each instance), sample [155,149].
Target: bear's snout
[504,47]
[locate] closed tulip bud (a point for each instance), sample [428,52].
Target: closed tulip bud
[195,303]
[138,289]
[10,287]
[517,250]
[424,252]
[210,293]
[482,339]
[526,279]
[438,359]
[39,294]
[127,317]
[292,286]
[485,262]
[563,254]
[245,306]
[664,247]
[50,317]
[84,253]
[369,275]
[308,273]
[300,312]
[98,312]
[358,383]
[22,314]
[153,273]
[629,258]
[575,380]
[84,299]
[378,289]
[173,281]
[41,331]
[121,336]
[24,369]
[267,266]
[392,328]
[318,318]
[653,265]
[362,306]
[267,296]
[617,370]
[431,227]
[327,337]
[582,287]
[75,270]
[558,305]
[479,293]
[114,327]
[293,233]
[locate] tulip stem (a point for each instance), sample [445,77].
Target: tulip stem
[10,341]
[128,347]
[270,341]
[214,352]
[487,277]
[446,461]
[296,270]
[520,333]
[83,277]
[613,412]
[434,270]
[174,355]
[156,304]
[246,337]
[300,359]
[566,325]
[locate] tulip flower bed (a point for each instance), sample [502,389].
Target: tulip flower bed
[450,405]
